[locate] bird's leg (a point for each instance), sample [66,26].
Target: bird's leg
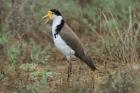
[69,70]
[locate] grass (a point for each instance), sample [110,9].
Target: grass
[109,30]
[14,53]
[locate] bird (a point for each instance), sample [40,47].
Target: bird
[66,41]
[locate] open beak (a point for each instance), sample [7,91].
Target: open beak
[47,17]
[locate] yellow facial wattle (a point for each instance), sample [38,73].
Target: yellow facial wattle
[48,16]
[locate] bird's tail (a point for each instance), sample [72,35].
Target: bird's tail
[86,59]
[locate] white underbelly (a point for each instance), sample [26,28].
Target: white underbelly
[62,46]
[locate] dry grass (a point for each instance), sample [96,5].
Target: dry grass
[114,60]
[29,62]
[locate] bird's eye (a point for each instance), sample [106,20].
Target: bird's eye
[52,12]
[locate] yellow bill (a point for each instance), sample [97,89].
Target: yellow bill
[48,17]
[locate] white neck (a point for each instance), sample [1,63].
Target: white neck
[56,22]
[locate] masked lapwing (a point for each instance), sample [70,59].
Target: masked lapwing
[66,41]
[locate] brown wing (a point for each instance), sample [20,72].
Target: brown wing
[72,40]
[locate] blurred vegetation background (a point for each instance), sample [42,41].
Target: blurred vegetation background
[109,30]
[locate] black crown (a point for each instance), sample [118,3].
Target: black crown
[56,12]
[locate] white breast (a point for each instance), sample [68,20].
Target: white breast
[62,46]
[59,42]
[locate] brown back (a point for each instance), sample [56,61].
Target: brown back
[72,40]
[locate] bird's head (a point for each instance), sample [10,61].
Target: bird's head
[53,13]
